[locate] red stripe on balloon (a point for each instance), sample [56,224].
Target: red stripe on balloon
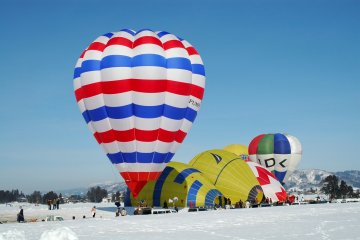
[82,54]
[192,51]
[137,180]
[264,176]
[120,41]
[140,135]
[197,92]
[253,146]
[140,176]
[98,46]
[281,195]
[173,44]
[147,40]
[138,85]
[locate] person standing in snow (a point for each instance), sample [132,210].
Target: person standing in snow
[49,203]
[93,211]
[241,204]
[54,204]
[20,216]
[57,203]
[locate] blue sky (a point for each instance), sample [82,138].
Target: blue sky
[271,66]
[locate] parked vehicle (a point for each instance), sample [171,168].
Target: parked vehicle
[197,209]
[51,218]
[299,203]
[162,211]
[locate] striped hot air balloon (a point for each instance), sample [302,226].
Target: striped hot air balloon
[139,93]
[279,153]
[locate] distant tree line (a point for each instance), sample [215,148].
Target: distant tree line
[96,194]
[337,188]
[37,197]
[10,196]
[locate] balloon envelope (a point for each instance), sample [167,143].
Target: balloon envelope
[272,188]
[139,93]
[279,153]
[239,150]
[230,174]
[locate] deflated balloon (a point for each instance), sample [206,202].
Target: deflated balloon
[273,190]
[139,93]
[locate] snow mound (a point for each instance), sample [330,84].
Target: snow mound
[63,233]
[12,235]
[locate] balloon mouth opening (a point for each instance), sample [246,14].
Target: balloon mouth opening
[136,187]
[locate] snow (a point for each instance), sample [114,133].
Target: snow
[322,221]
[63,233]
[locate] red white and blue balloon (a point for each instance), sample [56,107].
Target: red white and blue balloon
[139,93]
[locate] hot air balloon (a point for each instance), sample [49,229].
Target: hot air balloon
[230,174]
[178,180]
[139,93]
[270,185]
[239,150]
[279,153]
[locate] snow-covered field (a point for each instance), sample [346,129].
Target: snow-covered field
[323,221]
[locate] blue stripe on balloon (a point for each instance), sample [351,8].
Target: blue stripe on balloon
[280,176]
[128,31]
[86,116]
[179,63]
[115,61]
[193,191]
[127,201]
[190,114]
[90,65]
[180,178]
[109,35]
[142,30]
[211,195]
[281,144]
[149,60]
[153,60]
[77,72]
[198,69]
[138,157]
[139,111]
[168,158]
[162,33]
[159,185]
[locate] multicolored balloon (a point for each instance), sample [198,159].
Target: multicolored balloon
[139,93]
[279,153]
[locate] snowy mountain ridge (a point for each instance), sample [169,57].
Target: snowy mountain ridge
[306,179]
[111,187]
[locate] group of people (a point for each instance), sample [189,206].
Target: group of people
[53,204]
[268,200]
